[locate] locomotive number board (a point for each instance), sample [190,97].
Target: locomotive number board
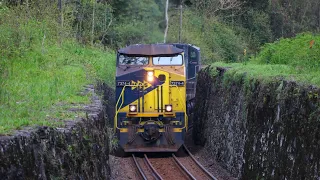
[123,83]
[177,83]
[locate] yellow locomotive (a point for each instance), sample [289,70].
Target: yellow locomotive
[153,84]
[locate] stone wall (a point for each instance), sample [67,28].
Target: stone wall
[78,151]
[258,129]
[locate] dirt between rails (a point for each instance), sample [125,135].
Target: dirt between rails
[167,168]
[192,167]
[145,168]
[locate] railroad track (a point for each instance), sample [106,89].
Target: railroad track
[193,167]
[172,167]
[145,168]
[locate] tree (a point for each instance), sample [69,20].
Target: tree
[92,29]
[211,7]
[290,17]
[137,21]
[167,21]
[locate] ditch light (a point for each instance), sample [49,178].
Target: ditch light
[168,108]
[132,108]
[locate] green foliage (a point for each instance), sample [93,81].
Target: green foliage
[293,51]
[138,21]
[43,69]
[266,73]
[102,23]
[217,41]
[40,78]
[39,88]
[83,21]
[136,32]
[143,10]
[291,59]
[261,22]
[296,16]
[255,29]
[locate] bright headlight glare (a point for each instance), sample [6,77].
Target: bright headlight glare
[150,73]
[150,78]
[168,108]
[132,108]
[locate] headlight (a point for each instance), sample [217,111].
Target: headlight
[150,73]
[133,108]
[150,76]
[168,108]
[150,79]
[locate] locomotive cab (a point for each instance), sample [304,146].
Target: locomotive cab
[151,98]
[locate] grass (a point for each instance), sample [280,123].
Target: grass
[267,72]
[38,87]
[291,59]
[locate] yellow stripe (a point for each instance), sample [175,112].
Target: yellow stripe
[177,130]
[123,130]
[142,130]
[151,115]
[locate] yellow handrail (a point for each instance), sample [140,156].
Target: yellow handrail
[184,108]
[117,110]
[122,96]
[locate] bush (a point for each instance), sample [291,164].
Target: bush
[294,59]
[293,51]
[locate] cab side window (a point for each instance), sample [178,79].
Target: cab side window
[193,55]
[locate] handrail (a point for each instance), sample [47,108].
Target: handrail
[122,96]
[117,110]
[184,109]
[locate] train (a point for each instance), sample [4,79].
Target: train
[154,84]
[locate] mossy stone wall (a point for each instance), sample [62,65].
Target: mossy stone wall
[258,129]
[80,150]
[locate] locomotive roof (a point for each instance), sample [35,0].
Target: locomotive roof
[150,50]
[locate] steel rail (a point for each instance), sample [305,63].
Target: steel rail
[182,167]
[204,169]
[152,168]
[139,168]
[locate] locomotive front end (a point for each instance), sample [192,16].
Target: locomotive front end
[151,98]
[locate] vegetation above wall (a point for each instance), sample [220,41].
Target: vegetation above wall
[293,59]
[40,77]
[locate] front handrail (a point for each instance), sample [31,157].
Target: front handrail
[184,108]
[117,109]
[122,101]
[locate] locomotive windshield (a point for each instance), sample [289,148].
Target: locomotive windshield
[174,60]
[128,60]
